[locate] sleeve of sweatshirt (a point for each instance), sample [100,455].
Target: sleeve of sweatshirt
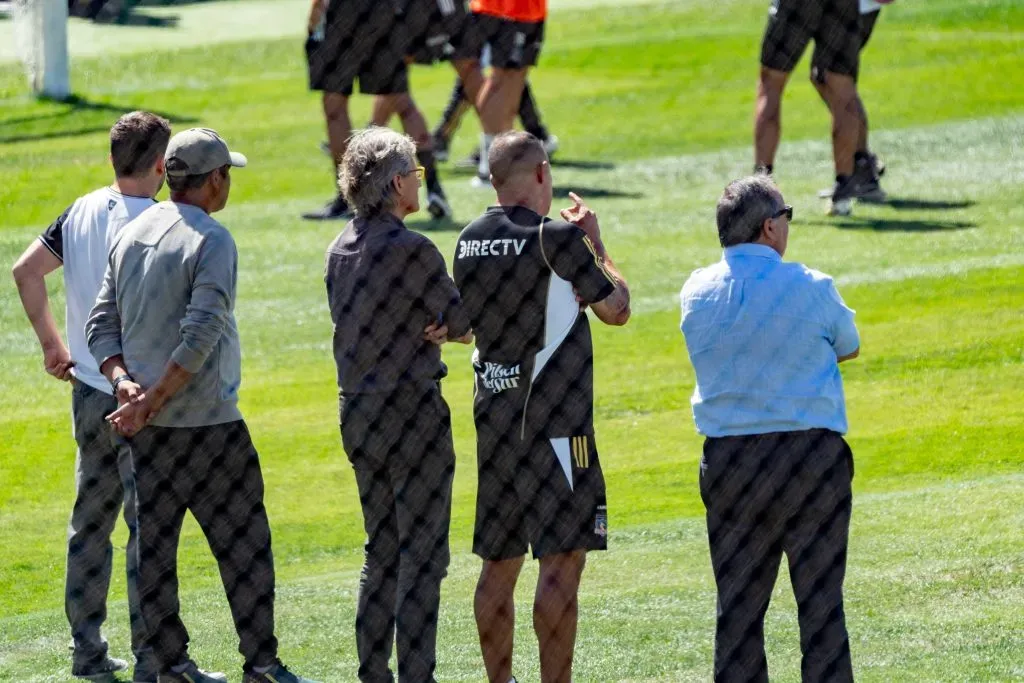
[213,293]
[103,328]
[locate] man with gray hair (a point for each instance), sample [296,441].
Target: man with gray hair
[393,305]
[163,333]
[765,339]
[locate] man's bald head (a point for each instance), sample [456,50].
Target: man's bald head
[514,154]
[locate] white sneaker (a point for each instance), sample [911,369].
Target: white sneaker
[551,144]
[481,182]
[840,207]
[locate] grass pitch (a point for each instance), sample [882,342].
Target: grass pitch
[653,103]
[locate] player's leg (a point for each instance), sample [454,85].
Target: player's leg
[333,62]
[789,28]
[768,118]
[158,454]
[837,42]
[495,611]
[393,97]
[226,499]
[98,496]
[422,468]
[816,543]
[515,47]
[451,117]
[745,542]
[529,116]
[556,612]
[499,537]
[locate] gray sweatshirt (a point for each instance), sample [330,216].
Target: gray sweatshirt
[169,294]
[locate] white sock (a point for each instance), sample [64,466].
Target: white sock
[483,169]
[262,669]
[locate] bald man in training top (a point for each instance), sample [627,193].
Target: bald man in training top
[526,282]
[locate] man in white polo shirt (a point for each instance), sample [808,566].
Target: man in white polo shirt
[79,241]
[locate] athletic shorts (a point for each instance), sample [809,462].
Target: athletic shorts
[359,42]
[514,44]
[433,29]
[543,493]
[867,27]
[833,24]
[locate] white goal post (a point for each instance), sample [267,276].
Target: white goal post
[41,33]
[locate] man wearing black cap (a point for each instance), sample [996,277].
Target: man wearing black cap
[163,333]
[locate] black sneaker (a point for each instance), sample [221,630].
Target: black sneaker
[440,148]
[102,670]
[841,200]
[763,169]
[437,206]
[191,674]
[865,179]
[472,161]
[279,673]
[877,164]
[335,210]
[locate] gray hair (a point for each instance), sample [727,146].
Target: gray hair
[743,208]
[373,158]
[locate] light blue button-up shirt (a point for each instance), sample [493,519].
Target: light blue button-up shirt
[764,337]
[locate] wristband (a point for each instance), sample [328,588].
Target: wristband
[116,382]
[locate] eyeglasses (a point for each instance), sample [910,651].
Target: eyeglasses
[420,172]
[787,210]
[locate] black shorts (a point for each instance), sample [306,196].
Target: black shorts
[833,24]
[359,42]
[524,496]
[867,27]
[432,28]
[514,44]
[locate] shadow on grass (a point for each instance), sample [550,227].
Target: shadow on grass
[911,204]
[136,18]
[63,123]
[889,224]
[562,192]
[426,224]
[582,165]
[577,164]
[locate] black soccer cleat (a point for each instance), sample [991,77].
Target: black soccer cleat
[335,210]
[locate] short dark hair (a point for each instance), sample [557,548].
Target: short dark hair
[743,208]
[137,140]
[513,152]
[184,183]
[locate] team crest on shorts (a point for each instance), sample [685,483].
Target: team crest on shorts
[601,521]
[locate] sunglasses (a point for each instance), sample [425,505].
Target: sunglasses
[786,210]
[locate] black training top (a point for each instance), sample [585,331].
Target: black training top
[519,275]
[385,284]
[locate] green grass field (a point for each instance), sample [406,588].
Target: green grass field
[653,102]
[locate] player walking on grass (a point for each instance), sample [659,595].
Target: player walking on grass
[835,27]
[79,241]
[367,40]
[163,333]
[868,169]
[513,32]
[526,282]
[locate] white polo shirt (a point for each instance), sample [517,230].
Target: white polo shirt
[81,238]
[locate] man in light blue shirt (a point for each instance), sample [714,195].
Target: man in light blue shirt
[765,338]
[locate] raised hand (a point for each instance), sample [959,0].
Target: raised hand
[582,216]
